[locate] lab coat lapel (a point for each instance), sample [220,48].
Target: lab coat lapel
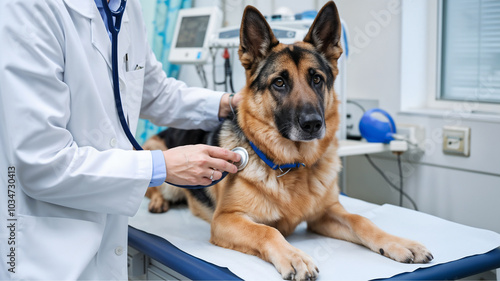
[101,41]
[100,38]
[84,8]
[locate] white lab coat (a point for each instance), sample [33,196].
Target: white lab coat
[76,177]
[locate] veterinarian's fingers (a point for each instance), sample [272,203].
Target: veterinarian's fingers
[212,173]
[205,181]
[223,166]
[193,164]
[222,156]
[217,175]
[188,165]
[222,153]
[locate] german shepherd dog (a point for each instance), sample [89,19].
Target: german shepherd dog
[289,111]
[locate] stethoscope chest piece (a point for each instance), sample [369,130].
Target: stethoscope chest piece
[244,157]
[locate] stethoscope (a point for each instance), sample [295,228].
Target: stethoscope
[114,28]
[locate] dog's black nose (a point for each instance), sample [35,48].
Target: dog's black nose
[310,122]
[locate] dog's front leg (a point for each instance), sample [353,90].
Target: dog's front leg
[336,222]
[157,204]
[237,231]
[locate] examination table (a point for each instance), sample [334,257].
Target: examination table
[176,244]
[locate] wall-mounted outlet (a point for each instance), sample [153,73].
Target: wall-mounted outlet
[354,111]
[456,140]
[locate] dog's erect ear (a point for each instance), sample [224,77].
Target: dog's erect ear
[325,32]
[256,37]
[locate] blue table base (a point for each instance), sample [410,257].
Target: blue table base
[167,254]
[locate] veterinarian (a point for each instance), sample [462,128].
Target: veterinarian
[71,178]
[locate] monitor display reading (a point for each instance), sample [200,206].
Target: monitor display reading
[192,32]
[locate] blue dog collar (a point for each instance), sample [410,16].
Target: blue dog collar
[271,163]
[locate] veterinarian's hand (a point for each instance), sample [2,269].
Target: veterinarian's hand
[198,164]
[224,108]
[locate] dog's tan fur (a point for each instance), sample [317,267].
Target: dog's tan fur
[254,208]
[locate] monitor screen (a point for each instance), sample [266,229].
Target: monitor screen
[192,32]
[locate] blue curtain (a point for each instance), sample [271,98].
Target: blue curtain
[165,17]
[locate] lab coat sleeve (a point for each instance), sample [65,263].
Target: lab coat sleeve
[35,108]
[170,102]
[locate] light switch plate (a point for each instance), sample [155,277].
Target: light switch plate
[456,140]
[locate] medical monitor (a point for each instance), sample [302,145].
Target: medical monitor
[192,31]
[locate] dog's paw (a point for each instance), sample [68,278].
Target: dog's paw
[406,251]
[293,264]
[158,205]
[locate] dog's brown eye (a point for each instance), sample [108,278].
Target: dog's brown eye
[316,79]
[279,82]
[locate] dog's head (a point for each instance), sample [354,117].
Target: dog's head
[291,86]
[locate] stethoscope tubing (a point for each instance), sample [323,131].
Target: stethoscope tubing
[114,27]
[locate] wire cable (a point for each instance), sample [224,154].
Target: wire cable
[229,75]
[400,181]
[402,193]
[228,72]
[357,104]
[214,54]
[201,73]
[404,138]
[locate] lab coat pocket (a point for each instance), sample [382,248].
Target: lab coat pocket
[52,248]
[135,86]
